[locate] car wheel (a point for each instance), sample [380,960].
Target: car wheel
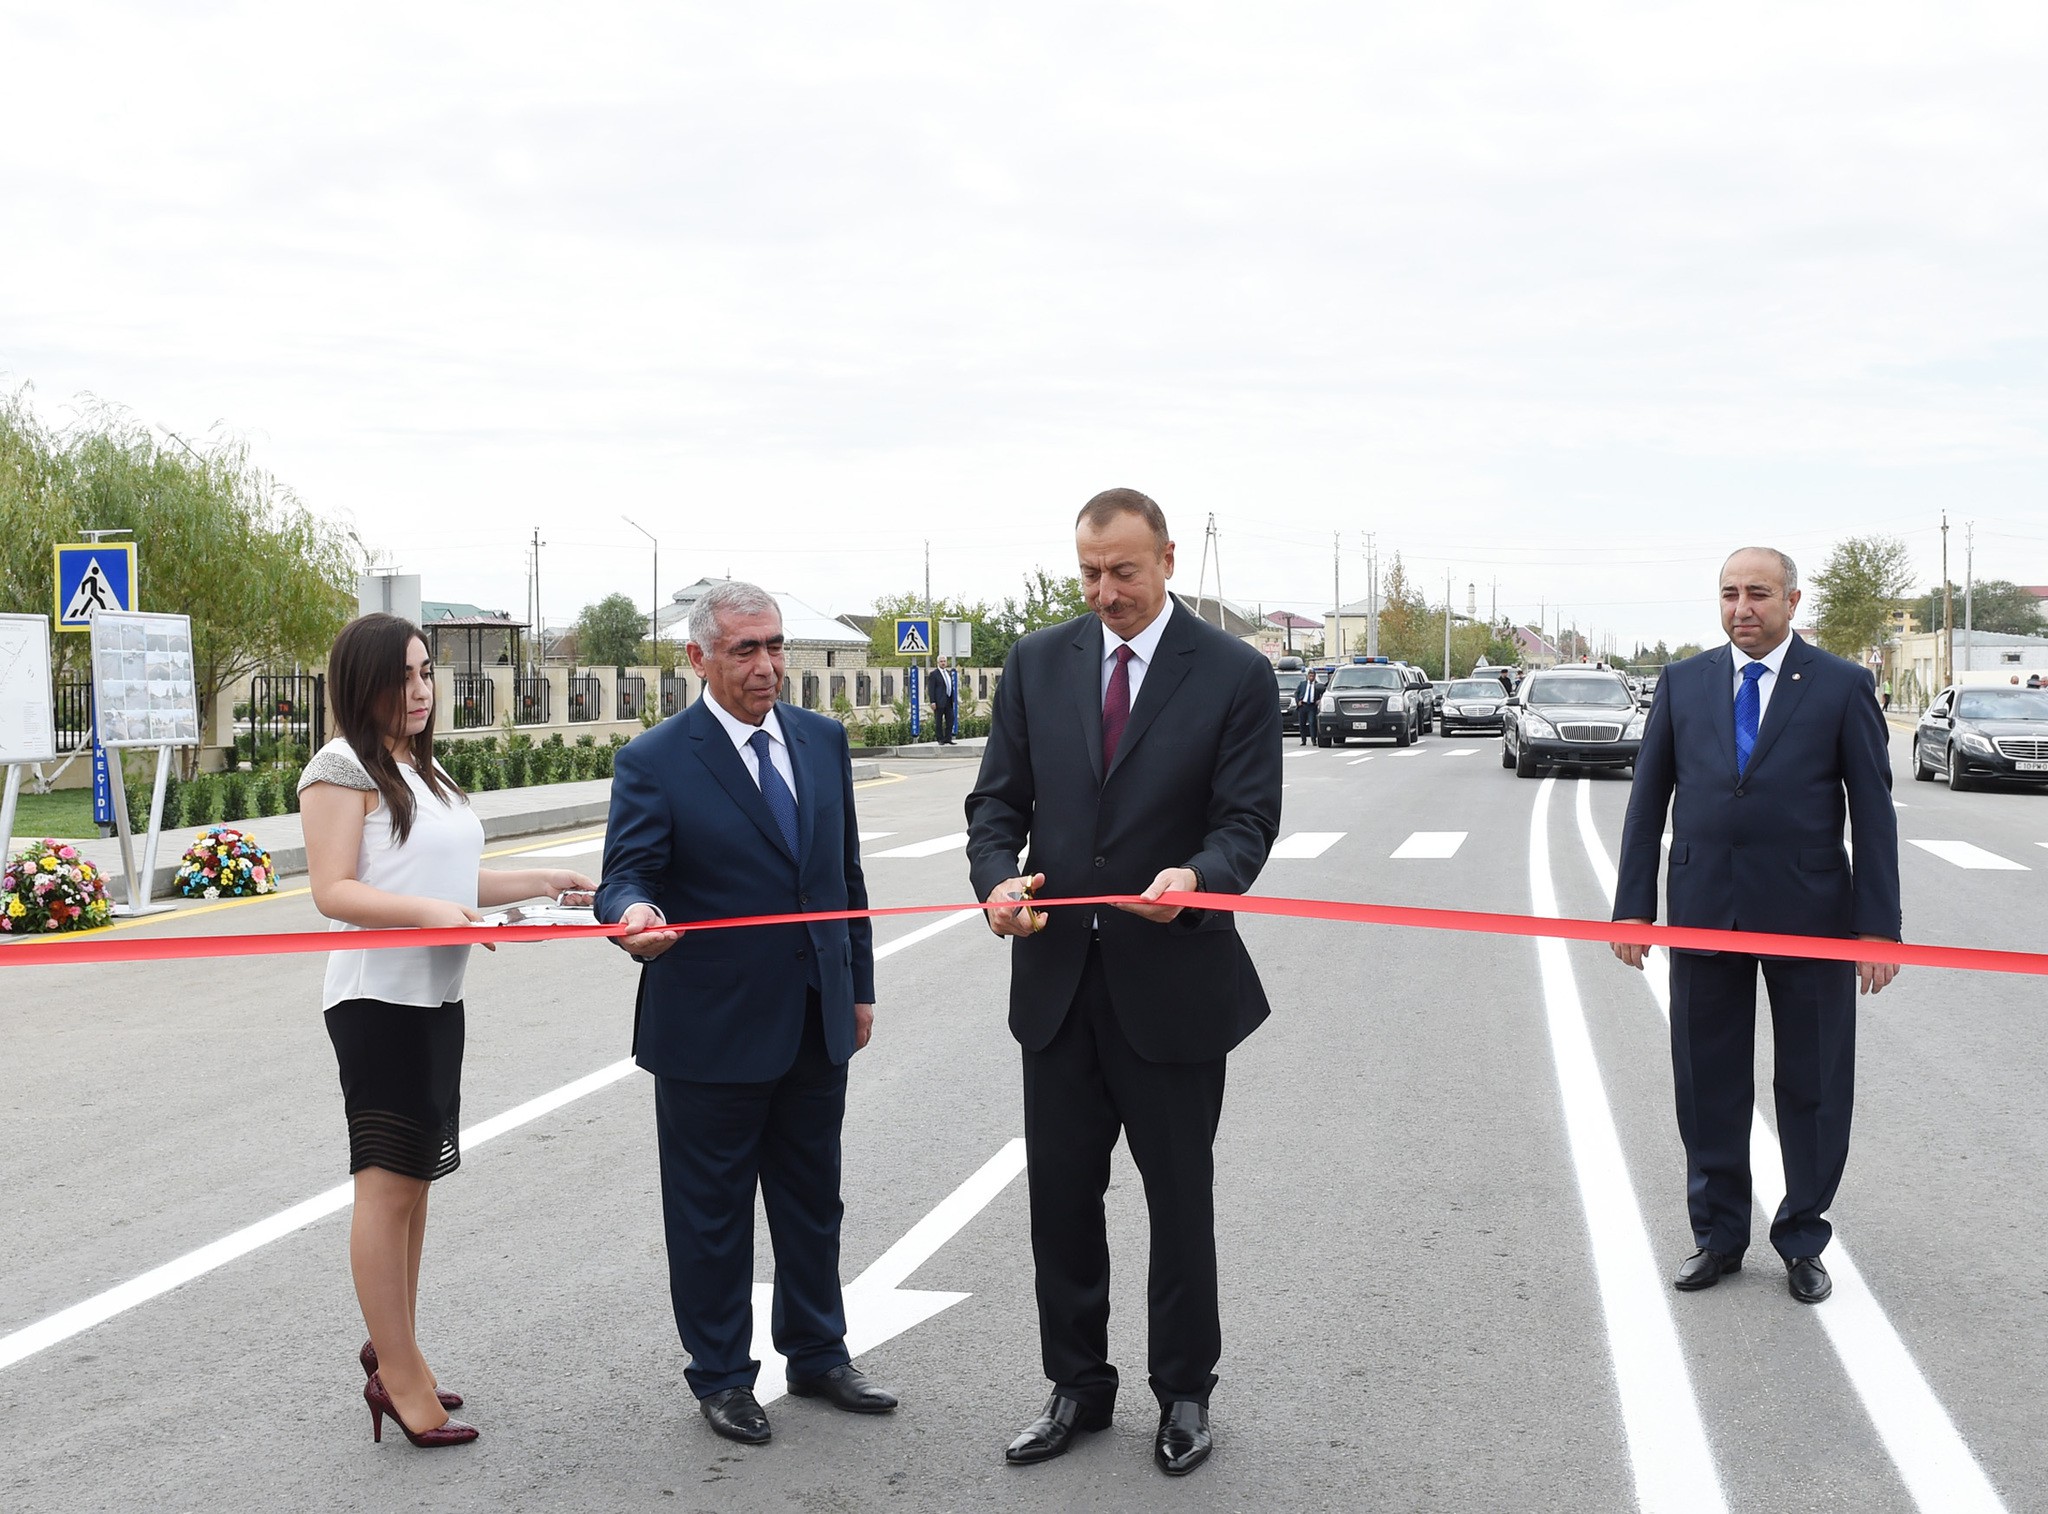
[1922,773]
[1957,783]
[1405,736]
[1443,730]
[1525,764]
[1507,758]
[1322,738]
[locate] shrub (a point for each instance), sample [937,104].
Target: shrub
[234,799]
[288,787]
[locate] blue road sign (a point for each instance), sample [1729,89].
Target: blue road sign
[913,636]
[102,785]
[93,576]
[916,709]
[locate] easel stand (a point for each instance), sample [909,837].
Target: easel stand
[138,882]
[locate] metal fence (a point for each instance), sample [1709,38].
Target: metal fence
[531,702]
[585,697]
[287,707]
[631,696]
[74,714]
[476,701]
[674,691]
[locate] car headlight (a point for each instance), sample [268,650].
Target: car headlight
[1536,725]
[1975,743]
[1634,731]
[1396,703]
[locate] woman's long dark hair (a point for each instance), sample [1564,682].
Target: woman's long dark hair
[366,686]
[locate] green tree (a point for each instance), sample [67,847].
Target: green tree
[265,580]
[610,632]
[1858,589]
[1048,600]
[1996,604]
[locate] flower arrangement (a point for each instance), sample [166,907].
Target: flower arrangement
[222,863]
[49,887]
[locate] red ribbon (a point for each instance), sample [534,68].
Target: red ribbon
[29,952]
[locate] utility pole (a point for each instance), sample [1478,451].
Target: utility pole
[1948,609]
[1210,537]
[1447,623]
[540,635]
[654,610]
[1969,591]
[1337,590]
[1372,598]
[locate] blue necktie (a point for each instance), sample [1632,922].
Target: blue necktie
[1749,706]
[782,803]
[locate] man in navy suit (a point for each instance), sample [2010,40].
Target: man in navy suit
[743,806]
[1768,746]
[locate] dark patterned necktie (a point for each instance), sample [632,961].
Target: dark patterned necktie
[781,802]
[1749,704]
[1116,705]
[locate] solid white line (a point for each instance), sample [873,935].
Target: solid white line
[1305,844]
[101,1307]
[1667,1441]
[1933,1460]
[1967,854]
[1431,844]
[931,848]
[892,1269]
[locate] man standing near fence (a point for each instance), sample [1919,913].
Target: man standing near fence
[945,696]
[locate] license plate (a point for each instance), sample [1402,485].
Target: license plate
[2032,767]
[1361,725]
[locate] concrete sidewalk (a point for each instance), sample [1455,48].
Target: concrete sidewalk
[506,814]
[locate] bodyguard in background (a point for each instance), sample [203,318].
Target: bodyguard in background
[1137,751]
[1767,746]
[945,697]
[741,805]
[1306,696]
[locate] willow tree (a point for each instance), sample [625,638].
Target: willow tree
[265,580]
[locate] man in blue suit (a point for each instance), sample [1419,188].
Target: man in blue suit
[741,805]
[1768,746]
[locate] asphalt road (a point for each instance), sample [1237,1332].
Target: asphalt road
[1450,1195]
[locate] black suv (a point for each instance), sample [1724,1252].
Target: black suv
[1370,699]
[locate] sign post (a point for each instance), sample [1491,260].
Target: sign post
[916,709]
[90,577]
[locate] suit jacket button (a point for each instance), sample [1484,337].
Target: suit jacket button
[803,898]
[1738,793]
[1102,862]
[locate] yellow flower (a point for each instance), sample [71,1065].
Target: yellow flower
[49,864]
[15,908]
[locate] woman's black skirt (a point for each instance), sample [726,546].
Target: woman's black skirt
[401,1079]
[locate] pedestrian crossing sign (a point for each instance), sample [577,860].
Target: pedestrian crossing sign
[913,636]
[93,576]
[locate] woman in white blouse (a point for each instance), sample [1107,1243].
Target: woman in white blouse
[392,842]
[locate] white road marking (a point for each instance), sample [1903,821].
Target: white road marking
[1354,762]
[1660,1415]
[1967,854]
[581,848]
[1431,844]
[1933,1460]
[1305,844]
[1407,752]
[1300,751]
[878,1306]
[101,1307]
[931,848]
[875,835]
[1463,751]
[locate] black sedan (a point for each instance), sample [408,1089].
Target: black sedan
[1976,733]
[1571,717]
[1471,704]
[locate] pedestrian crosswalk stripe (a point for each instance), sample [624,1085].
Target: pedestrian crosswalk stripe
[1354,762]
[1968,854]
[875,835]
[931,848]
[1306,844]
[1431,844]
[1463,751]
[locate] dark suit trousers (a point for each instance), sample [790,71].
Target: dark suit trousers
[718,1140]
[1078,1093]
[1713,1057]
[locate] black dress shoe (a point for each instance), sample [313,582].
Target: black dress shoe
[1808,1279]
[1183,1443]
[737,1415]
[1705,1268]
[846,1387]
[1050,1434]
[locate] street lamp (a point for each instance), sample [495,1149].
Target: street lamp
[654,612]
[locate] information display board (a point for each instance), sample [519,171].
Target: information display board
[142,679]
[28,726]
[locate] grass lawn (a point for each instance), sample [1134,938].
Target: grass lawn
[66,813]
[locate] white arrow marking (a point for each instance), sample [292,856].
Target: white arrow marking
[878,1307]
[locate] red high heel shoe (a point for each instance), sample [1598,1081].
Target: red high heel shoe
[453,1433]
[368,1357]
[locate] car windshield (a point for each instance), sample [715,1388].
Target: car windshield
[1366,678]
[1604,693]
[2003,704]
[1474,688]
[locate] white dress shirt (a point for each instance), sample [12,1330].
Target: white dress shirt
[1772,660]
[1142,646]
[742,733]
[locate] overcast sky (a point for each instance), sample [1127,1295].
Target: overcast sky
[1563,300]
